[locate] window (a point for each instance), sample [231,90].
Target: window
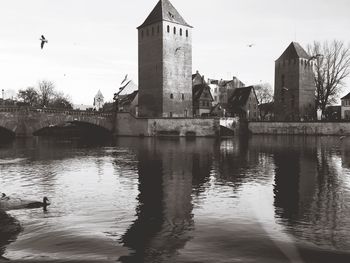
[174,30]
[171,96]
[215,98]
[183,96]
[180,31]
[186,33]
[152,31]
[216,90]
[170,114]
[168,29]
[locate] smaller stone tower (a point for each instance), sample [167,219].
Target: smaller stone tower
[294,85]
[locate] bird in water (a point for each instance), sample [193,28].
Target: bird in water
[17,203]
[37,204]
[43,41]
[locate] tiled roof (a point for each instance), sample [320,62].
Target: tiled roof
[294,50]
[128,98]
[346,97]
[198,90]
[164,11]
[240,96]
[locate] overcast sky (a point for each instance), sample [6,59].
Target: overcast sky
[93,43]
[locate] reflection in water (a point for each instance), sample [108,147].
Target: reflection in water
[167,172]
[263,199]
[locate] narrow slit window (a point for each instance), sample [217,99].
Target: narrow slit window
[180,31]
[168,29]
[186,33]
[174,30]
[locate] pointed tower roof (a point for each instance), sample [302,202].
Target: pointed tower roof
[164,11]
[294,50]
[99,94]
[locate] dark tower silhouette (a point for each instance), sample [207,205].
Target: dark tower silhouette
[294,85]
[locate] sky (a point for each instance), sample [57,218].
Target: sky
[92,44]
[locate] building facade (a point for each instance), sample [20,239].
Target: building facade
[244,104]
[202,100]
[165,63]
[345,107]
[294,85]
[222,90]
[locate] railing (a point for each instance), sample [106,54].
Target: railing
[54,110]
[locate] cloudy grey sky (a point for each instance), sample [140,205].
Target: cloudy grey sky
[93,43]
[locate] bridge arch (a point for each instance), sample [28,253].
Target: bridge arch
[6,134]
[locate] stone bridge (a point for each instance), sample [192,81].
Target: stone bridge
[25,121]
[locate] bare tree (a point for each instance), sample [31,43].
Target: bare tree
[332,66]
[46,92]
[264,93]
[60,100]
[29,95]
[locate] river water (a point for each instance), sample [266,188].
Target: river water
[262,199]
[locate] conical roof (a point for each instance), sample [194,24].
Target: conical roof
[164,11]
[294,50]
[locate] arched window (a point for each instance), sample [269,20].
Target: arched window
[174,30]
[168,28]
[186,33]
[180,31]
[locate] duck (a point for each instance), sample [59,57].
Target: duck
[37,204]
[17,203]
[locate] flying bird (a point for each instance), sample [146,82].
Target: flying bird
[177,49]
[251,45]
[43,41]
[126,77]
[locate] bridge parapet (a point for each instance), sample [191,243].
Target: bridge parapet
[54,110]
[24,121]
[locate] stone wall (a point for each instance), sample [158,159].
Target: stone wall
[128,125]
[300,128]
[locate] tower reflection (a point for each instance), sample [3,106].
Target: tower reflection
[168,171]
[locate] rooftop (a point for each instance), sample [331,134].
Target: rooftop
[164,11]
[294,50]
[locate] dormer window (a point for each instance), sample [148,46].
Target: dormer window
[171,15]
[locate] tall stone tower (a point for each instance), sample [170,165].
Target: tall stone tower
[294,85]
[165,64]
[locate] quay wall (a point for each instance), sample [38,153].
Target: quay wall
[128,125]
[300,128]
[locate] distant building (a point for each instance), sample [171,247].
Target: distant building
[345,107]
[202,100]
[165,63]
[222,90]
[197,79]
[244,104]
[129,103]
[98,100]
[294,85]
